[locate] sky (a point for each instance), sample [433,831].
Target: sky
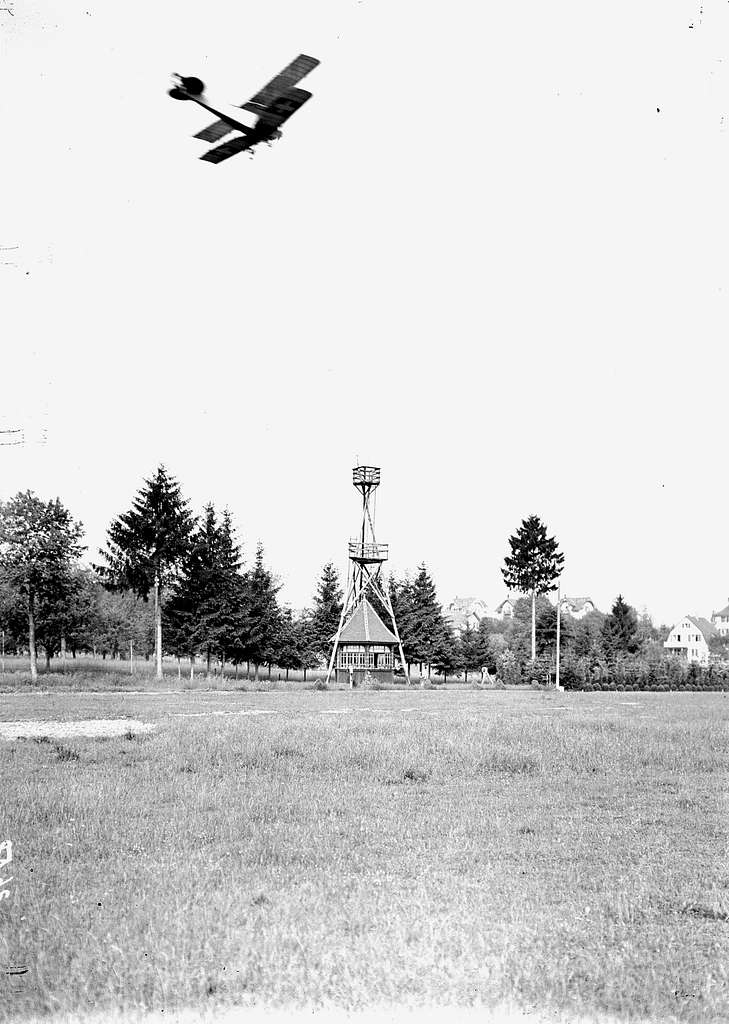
[489,256]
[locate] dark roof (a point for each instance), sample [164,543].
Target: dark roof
[366,627]
[704,625]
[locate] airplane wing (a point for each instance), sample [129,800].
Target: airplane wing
[236,145]
[286,104]
[262,103]
[217,130]
[282,82]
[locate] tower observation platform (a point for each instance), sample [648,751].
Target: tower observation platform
[362,552]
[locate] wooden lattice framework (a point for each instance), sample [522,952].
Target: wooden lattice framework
[364,579]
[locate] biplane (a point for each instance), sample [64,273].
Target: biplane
[273,104]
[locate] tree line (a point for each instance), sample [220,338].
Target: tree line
[166,582]
[170,582]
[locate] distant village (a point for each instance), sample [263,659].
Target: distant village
[688,639]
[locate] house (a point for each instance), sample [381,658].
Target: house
[689,639]
[576,607]
[460,621]
[720,621]
[366,647]
[505,610]
[467,612]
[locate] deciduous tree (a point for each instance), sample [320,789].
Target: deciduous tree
[39,544]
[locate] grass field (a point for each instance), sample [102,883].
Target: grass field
[562,853]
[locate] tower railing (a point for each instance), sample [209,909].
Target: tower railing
[366,475]
[365,551]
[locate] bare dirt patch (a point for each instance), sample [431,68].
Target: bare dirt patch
[87,727]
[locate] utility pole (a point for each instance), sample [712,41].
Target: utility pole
[559,616]
[131,657]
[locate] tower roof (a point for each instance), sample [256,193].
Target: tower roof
[366,627]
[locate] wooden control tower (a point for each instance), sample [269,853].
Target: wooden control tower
[363,643]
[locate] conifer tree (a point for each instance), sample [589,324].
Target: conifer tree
[400,594]
[426,627]
[147,544]
[327,610]
[206,609]
[534,564]
[305,641]
[473,650]
[448,655]
[287,653]
[620,631]
[262,614]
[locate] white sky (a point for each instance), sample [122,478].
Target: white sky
[479,258]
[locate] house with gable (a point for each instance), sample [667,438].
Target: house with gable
[720,621]
[576,607]
[505,610]
[689,639]
[466,613]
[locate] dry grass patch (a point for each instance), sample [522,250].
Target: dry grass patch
[482,855]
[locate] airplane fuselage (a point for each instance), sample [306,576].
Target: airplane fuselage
[260,132]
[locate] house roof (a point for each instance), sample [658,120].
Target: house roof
[578,603]
[724,612]
[509,600]
[366,626]
[707,629]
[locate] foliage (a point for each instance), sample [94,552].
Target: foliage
[534,564]
[205,610]
[447,656]
[326,612]
[147,544]
[620,631]
[473,650]
[535,561]
[641,673]
[39,544]
[263,615]
[426,630]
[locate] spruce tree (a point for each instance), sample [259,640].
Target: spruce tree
[473,651]
[427,629]
[305,642]
[287,654]
[206,609]
[327,610]
[262,614]
[534,564]
[620,631]
[147,544]
[448,655]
